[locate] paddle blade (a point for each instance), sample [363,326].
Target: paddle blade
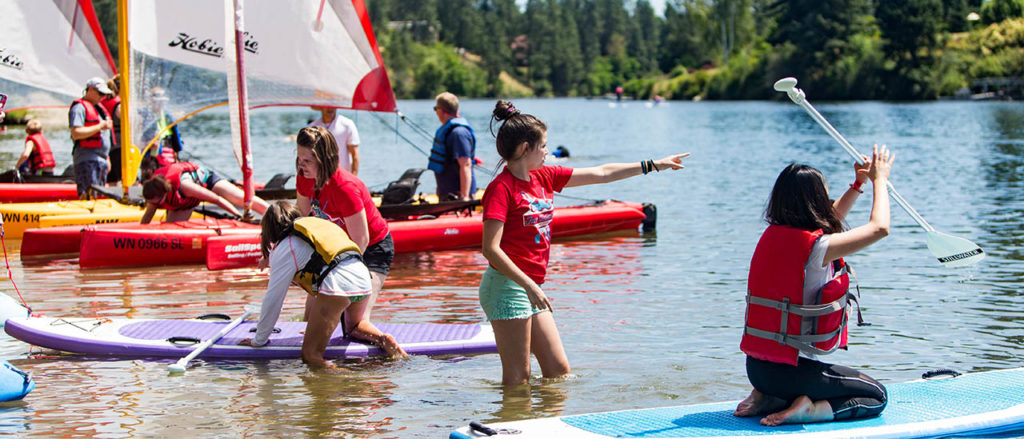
[953,251]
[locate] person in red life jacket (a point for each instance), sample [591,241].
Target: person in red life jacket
[156,122]
[328,191]
[37,158]
[179,187]
[798,303]
[112,103]
[292,244]
[518,206]
[90,130]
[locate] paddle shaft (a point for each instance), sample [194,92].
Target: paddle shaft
[798,97]
[206,344]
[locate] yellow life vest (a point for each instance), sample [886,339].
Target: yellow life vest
[331,245]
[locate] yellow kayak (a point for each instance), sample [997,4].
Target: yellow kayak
[19,217]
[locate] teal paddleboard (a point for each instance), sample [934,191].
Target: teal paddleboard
[966,405]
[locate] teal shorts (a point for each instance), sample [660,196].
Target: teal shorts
[503,299]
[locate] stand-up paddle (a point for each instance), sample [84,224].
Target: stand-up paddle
[180,366]
[951,251]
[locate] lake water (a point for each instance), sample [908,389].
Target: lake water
[647,320]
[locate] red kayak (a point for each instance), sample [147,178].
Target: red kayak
[232,244]
[449,232]
[37,192]
[132,242]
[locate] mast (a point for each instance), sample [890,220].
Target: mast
[237,94]
[129,153]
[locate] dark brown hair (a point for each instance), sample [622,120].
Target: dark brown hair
[516,128]
[325,151]
[275,224]
[800,199]
[156,187]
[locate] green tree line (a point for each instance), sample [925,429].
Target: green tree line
[712,49]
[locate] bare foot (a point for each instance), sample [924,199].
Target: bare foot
[802,411]
[750,405]
[388,343]
[758,403]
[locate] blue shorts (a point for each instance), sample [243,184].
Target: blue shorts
[89,173]
[205,178]
[503,299]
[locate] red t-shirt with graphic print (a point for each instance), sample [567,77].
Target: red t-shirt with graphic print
[343,195]
[526,208]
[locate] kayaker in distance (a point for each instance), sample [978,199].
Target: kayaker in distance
[37,158]
[180,186]
[298,249]
[518,207]
[798,262]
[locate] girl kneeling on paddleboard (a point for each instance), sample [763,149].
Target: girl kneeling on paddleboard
[798,299]
[517,209]
[321,258]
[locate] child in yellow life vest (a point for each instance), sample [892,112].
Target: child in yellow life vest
[289,243]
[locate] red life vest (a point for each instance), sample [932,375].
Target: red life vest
[110,104]
[41,156]
[776,311]
[174,199]
[93,115]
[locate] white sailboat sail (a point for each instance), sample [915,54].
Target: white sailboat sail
[299,53]
[50,46]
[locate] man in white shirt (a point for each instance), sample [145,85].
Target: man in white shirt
[345,133]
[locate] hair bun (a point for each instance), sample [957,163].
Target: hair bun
[504,110]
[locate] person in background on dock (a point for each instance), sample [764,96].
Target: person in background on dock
[157,122]
[180,187]
[112,103]
[345,135]
[451,156]
[339,295]
[37,158]
[90,128]
[328,191]
[798,267]
[517,210]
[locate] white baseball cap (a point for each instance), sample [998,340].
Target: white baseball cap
[99,84]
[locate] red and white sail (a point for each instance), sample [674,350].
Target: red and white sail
[52,45]
[297,52]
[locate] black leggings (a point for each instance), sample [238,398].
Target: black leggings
[851,394]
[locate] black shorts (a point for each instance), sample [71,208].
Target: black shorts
[378,256]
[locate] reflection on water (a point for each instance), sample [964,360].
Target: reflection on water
[647,320]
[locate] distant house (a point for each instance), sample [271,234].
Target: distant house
[520,46]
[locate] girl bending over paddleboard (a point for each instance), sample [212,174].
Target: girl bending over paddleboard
[328,191]
[319,257]
[798,299]
[518,208]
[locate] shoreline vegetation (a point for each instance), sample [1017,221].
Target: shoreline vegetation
[696,49]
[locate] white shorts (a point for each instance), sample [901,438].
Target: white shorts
[349,278]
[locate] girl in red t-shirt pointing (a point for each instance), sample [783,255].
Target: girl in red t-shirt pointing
[518,208]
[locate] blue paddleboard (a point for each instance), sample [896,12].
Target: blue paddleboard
[976,403]
[14,384]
